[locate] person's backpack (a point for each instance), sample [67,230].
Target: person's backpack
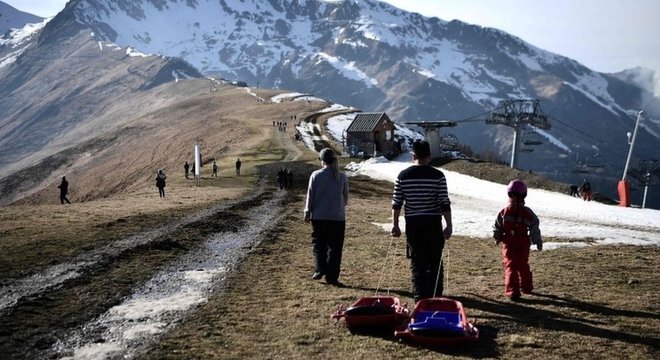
[515,224]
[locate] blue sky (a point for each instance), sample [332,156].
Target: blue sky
[605,35]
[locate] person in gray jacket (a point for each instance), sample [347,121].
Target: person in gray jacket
[325,208]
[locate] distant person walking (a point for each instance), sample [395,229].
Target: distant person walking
[281,178]
[238,166]
[160,183]
[215,169]
[421,190]
[186,169]
[585,190]
[517,227]
[325,208]
[64,190]
[289,179]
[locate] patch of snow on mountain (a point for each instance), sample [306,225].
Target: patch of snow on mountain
[377,25]
[591,97]
[448,64]
[338,124]
[309,99]
[553,140]
[347,69]
[478,91]
[134,53]
[596,86]
[10,58]
[530,62]
[503,79]
[188,40]
[355,44]
[336,107]
[280,97]
[17,37]
[443,68]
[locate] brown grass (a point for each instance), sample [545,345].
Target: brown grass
[598,302]
[594,302]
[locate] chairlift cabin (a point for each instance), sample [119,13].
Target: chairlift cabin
[595,162]
[580,169]
[449,142]
[532,138]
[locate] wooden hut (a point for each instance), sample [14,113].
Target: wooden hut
[371,134]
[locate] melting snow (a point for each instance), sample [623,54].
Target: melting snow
[476,202]
[347,69]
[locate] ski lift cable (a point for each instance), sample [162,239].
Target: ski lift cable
[587,138]
[576,130]
[584,136]
[475,118]
[479,117]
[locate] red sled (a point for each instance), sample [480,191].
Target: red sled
[438,322]
[384,312]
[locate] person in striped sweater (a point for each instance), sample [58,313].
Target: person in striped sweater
[421,191]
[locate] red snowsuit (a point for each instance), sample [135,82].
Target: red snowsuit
[517,227]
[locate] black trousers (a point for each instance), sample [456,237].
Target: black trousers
[327,246]
[425,242]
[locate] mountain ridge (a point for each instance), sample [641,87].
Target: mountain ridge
[373,56]
[12,18]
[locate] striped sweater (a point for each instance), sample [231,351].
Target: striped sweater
[421,190]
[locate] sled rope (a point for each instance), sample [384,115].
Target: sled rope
[437,277]
[382,271]
[446,259]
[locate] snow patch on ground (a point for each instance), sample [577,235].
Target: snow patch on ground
[476,202]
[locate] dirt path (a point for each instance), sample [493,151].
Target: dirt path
[113,301]
[158,305]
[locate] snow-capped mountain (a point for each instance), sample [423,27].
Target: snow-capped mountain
[638,76]
[11,18]
[371,55]
[61,87]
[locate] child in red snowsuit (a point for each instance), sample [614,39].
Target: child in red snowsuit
[517,227]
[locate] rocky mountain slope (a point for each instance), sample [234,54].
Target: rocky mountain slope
[107,116]
[379,58]
[373,56]
[11,18]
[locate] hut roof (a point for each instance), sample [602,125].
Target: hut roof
[366,122]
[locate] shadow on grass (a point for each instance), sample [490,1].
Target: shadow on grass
[555,300]
[486,347]
[527,312]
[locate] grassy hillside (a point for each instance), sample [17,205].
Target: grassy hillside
[229,122]
[593,302]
